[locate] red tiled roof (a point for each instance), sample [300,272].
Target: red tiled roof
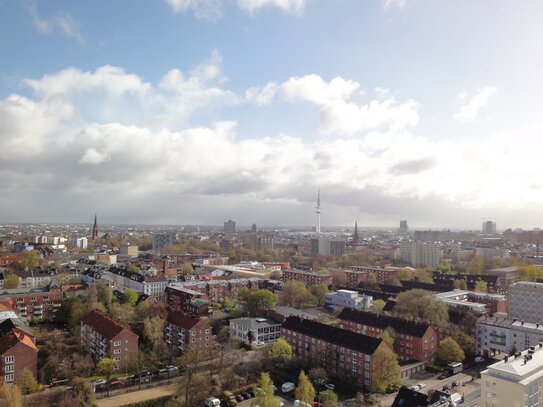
[184,321]
[103,324]
[11,339]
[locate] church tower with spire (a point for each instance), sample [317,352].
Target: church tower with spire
[355,234]
[95,229]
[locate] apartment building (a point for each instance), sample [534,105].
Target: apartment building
[515,381]
[420,253]
[413,340]
[219,290]
[477,302]
[358,274]
[103,337]
[525,301]
[309,278]
[182,331]
[193,303]
[345,354]
[255,330]
[502,334]
[37,303]
[18,351]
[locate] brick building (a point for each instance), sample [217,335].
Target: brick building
[188,301]
[103,337]
[358,274]
[309,278]
[344,354]
[33,303]
[413,340]
[17,352]
[182,331]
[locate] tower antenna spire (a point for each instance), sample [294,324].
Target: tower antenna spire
[318,210]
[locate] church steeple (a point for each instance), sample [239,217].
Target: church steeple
[355,234]
[95,229]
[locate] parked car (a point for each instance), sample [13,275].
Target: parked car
[212,402]
[99,382]
[421,385]
[300,403]
[115,384]
[229,399]
[479,359]
[246,395]
[330,386]
[415,387]
[274,388]
[287,387]
[320,382]
[239,398]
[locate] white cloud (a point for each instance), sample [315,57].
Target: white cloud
[339,115]
[203,9]
[63,22]
[57,154]
[470,110]
[289,6]
[395,3]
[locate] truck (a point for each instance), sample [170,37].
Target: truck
[454,368]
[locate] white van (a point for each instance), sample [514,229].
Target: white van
[456,399]
[300,403]
[212,402]
[288,386]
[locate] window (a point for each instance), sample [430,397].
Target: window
[117,343]
[9,368]
[9,359]
[116,351]
[8,378]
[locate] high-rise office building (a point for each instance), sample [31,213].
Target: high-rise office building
[403,227]
[162,240]
[229,226]
[489,227]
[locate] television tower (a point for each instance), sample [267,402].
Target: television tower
[318,211]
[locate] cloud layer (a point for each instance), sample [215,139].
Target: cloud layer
[108,141]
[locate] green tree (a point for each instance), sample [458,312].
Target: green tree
[481,286]
[377,306]
[81,394]
[27,383]
[460,284]
[295,294]
[187,268]
[105,295]
[476,265]
[305,390]
[405,275]
[421,305]
[130,296]
[317,373]
[106,367]
[386,375]
[324,272]
[389,336]
[229,305]
[123,312]
[424,276]
[133,268]
[11,395]
[372,279]
[530,273]
[264,393]
[153,330]
[281,350]
[29,258]
[70,312]
[260,301]
[328,398]
[11,281]
[449,351]
[190,360]
[318,291]
[243,294]
[444,267]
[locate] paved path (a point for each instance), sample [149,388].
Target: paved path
[138,396]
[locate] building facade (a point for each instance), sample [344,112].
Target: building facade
[420,253]
[348,298]
[358,274]
[413,340]
[18,351]
[255,330]
[525,301]
[182,331]
[103,337]
[503,335]
[344,354]
[309,278]
[187,301]
[515,381]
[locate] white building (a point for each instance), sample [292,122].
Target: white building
[515,381]
[348,298]
[80,242]
[502,334]
[257,330]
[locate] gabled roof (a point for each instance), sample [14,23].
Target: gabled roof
[337,336]
[104,325]
[11,339]
[185,321]
[9,325]
[400,325]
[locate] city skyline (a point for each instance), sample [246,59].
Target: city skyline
[192,112]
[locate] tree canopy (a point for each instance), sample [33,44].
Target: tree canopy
[281,350]
[449,351]
[11,281]
[377,306]
[29,258]
[421,305]
[481,286]
[476,265]
[318,291]
[260,301]
[305,390]
[295,294]
[386,371]
[264,395]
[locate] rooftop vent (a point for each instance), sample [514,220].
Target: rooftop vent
[506,359]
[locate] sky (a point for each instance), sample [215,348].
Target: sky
[199,111]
